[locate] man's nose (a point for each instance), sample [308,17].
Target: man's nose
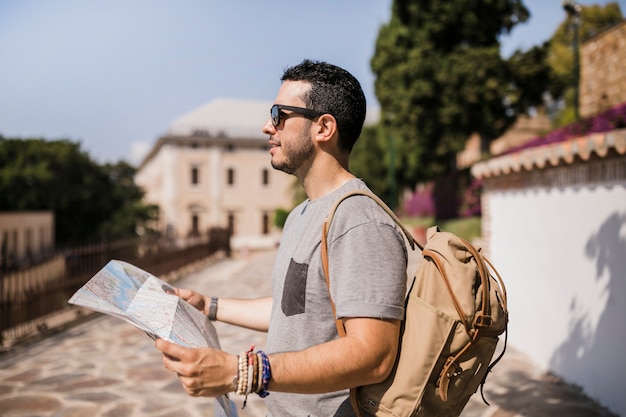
[268,128]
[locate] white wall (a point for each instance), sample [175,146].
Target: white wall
[562,255]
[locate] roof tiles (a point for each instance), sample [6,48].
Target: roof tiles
[553,154]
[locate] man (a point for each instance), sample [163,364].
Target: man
[316,119]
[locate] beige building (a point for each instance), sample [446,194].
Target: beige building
[212,168]
[25,236]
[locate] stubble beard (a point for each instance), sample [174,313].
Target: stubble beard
[296,154]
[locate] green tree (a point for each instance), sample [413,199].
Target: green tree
[560,55]
[531,78]
[89,201]
[130,211]
[280,217]
[369,159]
[440,78]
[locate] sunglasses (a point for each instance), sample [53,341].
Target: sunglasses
[277,114]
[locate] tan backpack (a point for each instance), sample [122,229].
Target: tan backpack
[455,312]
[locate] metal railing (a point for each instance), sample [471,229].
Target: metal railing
[29,295]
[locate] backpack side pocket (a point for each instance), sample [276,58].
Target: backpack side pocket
[426,332]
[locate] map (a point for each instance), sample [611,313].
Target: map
[122,290]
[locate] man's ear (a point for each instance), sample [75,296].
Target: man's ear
[326,128]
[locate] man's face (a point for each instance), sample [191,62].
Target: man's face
[292,148]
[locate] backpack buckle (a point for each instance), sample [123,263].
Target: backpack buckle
[483,321]
[451,368]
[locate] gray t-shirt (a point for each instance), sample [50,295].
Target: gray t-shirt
[367,262]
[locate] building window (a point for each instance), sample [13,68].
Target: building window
[4,251]
[231,223]
[230,176]
[195,225]
[195,175]
[265,176]
[266,223]
[28,244]
[14,251]
[42,240]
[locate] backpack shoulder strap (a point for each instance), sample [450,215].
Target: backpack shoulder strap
[326,226]
[341,330]
[382,204]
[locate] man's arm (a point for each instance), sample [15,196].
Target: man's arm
[249,313]
[365,356]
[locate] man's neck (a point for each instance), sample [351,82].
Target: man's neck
[319,184]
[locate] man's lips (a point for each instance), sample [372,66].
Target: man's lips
[273,145]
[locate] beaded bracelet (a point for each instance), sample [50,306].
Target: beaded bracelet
[252,357]
[259,373]
[242,374]
[250,373]
[253,374]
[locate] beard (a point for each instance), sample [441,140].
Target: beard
[295,154]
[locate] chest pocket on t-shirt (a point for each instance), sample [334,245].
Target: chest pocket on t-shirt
[294,291]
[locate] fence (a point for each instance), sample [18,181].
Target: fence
[28,295]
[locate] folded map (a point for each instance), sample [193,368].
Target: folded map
[125,291]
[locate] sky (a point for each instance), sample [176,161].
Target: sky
[114,74]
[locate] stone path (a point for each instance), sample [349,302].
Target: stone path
[104,367]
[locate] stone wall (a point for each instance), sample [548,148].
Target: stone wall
[602,71]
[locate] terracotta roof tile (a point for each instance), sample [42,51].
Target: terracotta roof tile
[553,154]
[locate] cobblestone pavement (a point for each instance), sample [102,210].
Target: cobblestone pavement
[104,367]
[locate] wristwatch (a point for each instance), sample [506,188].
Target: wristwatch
[213,309]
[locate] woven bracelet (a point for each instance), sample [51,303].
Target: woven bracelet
[266,375]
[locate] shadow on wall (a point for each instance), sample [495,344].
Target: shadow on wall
[593,354]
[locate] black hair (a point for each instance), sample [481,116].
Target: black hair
[335,91]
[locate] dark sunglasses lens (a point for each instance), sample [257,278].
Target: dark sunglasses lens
[275,115]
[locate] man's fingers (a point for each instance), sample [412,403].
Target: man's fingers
[199,370]
[183,293]
[172,363]
[186,294]
[170,350]
[191,297]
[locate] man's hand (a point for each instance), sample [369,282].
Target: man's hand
[203,372]
[193,298]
